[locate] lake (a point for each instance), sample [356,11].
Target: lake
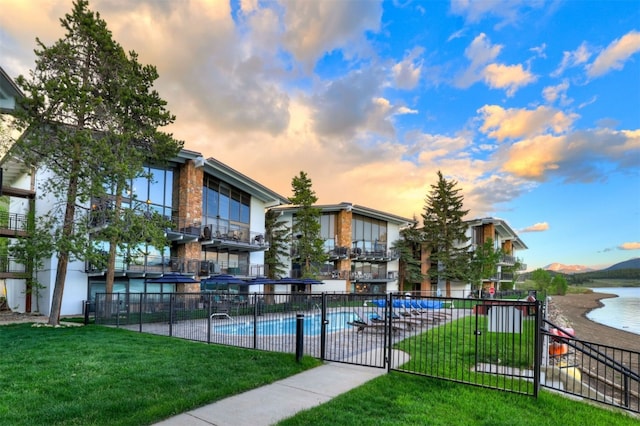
[622,312]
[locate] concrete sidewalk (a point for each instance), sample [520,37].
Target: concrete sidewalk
[269,404]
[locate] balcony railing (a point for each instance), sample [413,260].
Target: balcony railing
[13,222]
[11,265]
[161,265]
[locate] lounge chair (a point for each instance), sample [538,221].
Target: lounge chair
[376,320]
[371,319]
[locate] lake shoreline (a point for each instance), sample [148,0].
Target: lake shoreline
[571,311]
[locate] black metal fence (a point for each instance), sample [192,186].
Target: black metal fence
[590,370]
[489,343]
[502,344]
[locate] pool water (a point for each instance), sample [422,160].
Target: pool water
[286,326]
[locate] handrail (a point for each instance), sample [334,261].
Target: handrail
[599,356]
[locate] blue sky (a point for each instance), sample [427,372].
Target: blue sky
[533,107]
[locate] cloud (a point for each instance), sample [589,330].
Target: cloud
[572,59]
[514,123]
[457,34]
[615,55]
[536,227]
[481,53]
[580,156]
[314,28]
[540,50]
[630,246]
[509,77]
[407,73]
[346,104]
[557,93]
[510,12]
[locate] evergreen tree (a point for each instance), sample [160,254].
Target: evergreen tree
[277,236]
[408,248]
[444,232]
[306,226]
[91,118]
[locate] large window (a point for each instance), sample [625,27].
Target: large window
[328,230]
[155,190]
[368,234]
[223,202]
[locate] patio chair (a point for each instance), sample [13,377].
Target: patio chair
[371,319]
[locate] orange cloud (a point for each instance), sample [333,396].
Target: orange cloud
[513,123]
[630,246]
[537,227]
[614,56]
[508,77]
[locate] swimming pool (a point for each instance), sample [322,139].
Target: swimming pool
[285,326]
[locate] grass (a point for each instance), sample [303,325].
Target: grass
[97,376]
[402,399]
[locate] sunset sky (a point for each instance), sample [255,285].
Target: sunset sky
[533,107]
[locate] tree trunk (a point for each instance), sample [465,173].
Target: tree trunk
[63,254]
[111,262]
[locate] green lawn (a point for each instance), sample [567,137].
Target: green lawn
[101,376]
[403,399]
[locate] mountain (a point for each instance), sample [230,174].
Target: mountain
[627,264]
[567,269]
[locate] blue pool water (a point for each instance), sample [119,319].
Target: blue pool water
[286,326]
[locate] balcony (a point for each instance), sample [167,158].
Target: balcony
[358,254]
[11,268]
[146,265]
[158,265]
[13,224]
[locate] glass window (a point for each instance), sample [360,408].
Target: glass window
[136,285]
[223,207]
[156,188]
[168,188]
[140,189]
[234,208]
[244,213]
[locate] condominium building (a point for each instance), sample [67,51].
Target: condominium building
[358,242]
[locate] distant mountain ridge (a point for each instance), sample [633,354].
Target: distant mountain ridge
[627,264]
[579,269]
[567,269]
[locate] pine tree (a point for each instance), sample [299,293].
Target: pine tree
[408,248]
[277,236]
[91,119]
[306,226]
[444,232]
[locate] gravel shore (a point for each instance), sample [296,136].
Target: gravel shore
[571,311]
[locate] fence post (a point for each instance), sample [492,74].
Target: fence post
[209,312]
[143,303]
[86,312]
[299,336]
[323,326]
[389,334]
[256,308]
[171,314]
[538,348]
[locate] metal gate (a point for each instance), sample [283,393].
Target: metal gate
[355,330]
[489,343]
